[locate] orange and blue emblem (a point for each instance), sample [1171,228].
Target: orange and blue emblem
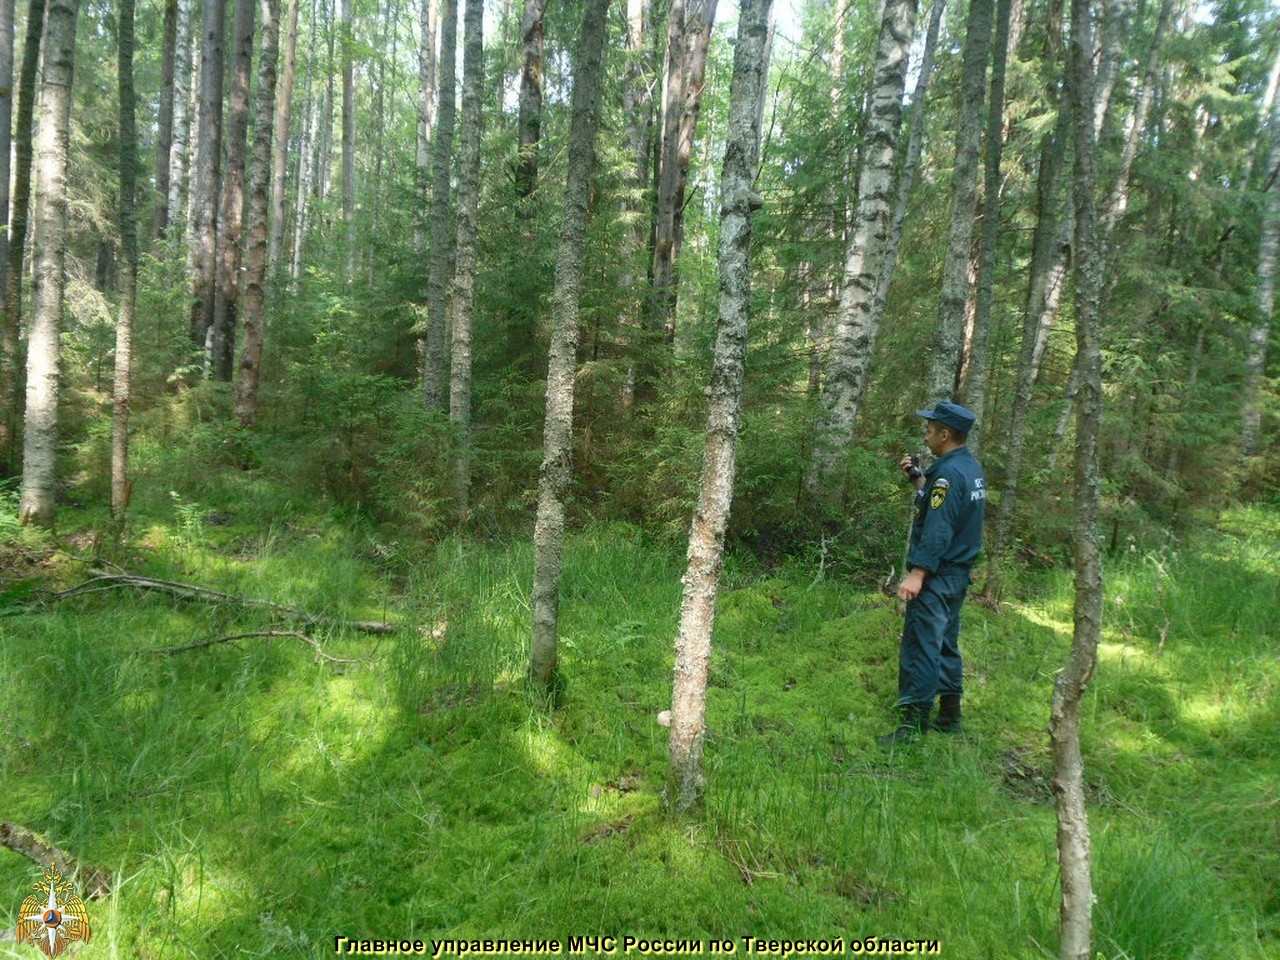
[54,916]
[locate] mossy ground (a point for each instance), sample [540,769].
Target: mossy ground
[254,802]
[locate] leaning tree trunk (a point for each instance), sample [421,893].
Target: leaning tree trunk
[1069,687]
[433,360]
[256,250]
[226,302]
[464,276]
[944,367]
[529,123]
[975,388]
[719,461]
[49,221]
[853,334]
[164,117]
[557,456]
[10,408]
[204,200]
[129,268]
[689,25]
[1264,299]
[280,135]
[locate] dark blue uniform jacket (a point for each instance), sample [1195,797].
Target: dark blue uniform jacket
[947,532]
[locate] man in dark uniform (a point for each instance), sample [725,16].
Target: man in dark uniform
[946,536]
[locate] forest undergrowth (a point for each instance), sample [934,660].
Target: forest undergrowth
[259,797]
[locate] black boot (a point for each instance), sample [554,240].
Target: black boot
[948,713]
[915,722]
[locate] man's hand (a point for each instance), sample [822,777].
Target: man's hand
[911,470]
[911,584]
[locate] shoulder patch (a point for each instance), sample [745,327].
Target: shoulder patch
[942,482]
[938,495]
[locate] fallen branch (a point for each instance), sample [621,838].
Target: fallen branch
[203,644]
[91,882]
[102,580]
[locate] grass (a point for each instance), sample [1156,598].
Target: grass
[253,802]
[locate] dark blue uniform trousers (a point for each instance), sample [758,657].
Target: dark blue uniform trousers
[929,658]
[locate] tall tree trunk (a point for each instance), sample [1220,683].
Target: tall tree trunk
[280,135]
[689,24]
[719,461]
[6,145]
[944,367]
[306,158]
[1110,49]
[975,390]
[226,303]
[164,118]
[265,124]
[1264,300]
[129,253]
[426,117]
[1076,925]
[530,120]
[204,201]
[324,141]
[49,222]
[177,160]
[557,456]
[433,364]
[853,335]
[464,277]
[348,136]
[10,407]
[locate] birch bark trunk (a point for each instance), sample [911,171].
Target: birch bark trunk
[179,148]
[257,248]
[280,135]
[164,116]
[557,458]
[120,483]
[464,277]
[719,463]
[434,360]
[853,334]
[1264,299]
[426,117]
[204,201]
[49,223]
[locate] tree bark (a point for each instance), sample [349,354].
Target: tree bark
[434,360]
[49,221]
[529,123]
[177,160]
[557,458]
[426,117]
[348,136]
[129,254]
[261,175]
[944,367]
[853,334]
[226,303]
[1264,300]
[1076,910]
[975,388]
[204,201]
[715,493]
[164,117]
[10,406]
[689,24]
[280,134]
[464,277]
[306,159]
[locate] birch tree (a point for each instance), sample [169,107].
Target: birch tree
[129,251]
[230,226]
[179,148]
[464,278]
[426,115]
[280,136]
[256,249]
[204,200]
[944,366]
[49,216]
[853,333]
[557,457]
[348,136]
[164,118]
[1264,298]
[719,462]
[10,408]
[1075,916]
[433,361]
